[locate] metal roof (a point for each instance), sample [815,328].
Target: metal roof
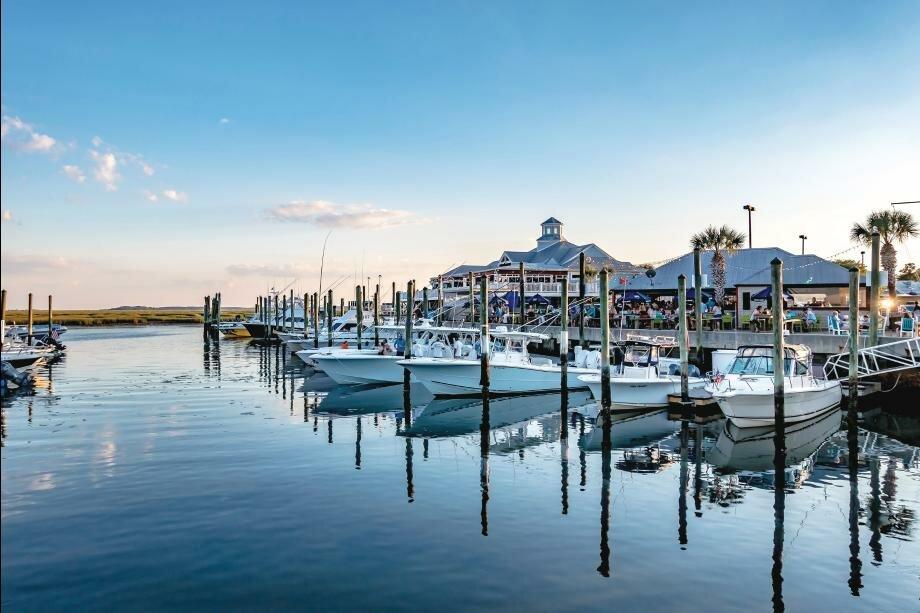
[748,267]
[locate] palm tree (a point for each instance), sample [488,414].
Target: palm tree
[721,241]
[893,227]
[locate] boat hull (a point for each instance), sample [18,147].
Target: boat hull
[632,393]
[462,377]
[361,368]
[756,408]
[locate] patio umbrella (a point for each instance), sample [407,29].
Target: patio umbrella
[537,299]
[496,300]
[767,292]
[512,299]
[635,296]
[691,294]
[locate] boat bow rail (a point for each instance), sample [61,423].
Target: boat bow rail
[880,359]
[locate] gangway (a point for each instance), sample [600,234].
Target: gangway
[880,359]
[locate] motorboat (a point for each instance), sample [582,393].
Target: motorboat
[386,364]
[344,328]
[39,333]
[643,379]
[745,391]
[512,370]
[233,329]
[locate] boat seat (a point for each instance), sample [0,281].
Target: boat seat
[638,372]
[593,359]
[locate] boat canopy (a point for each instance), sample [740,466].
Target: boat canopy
[758,360]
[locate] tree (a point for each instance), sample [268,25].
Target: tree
[909,272]
[850,263]
[720,241]
[893,227]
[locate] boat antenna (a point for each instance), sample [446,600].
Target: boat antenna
[322,262]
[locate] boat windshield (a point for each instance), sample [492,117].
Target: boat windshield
[640,354]
[763,365]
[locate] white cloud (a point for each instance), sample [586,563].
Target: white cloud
[175,196]
[268,270]
[96,141]
[21,135]
[106,171]
[74,173]
[7,216]
[149,195]
[224,121]
[146,168]
[331,215]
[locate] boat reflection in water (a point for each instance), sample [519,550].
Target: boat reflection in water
[648,439]
[363,399]
[453,416]
[750,451]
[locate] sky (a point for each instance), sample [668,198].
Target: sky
[156,153]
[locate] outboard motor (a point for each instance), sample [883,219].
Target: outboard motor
[20,379]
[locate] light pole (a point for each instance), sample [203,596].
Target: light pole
[750,209]
[803,237]
[862,259]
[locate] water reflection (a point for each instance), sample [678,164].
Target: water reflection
[485,426]
[604,567]
[780,444]
[363,399]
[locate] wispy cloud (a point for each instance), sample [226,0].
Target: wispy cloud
[7,216]
[74,173]
[224,121]
[175,195]
[33,264]
[327,214]
[268,270]
[20,135]
[151,196]
[106,171]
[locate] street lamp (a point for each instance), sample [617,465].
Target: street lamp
[803,237]
[750,209]
[862,259]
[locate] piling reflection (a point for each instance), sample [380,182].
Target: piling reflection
[855,579]
[410,487]
[698,471]
[604,568]
[564,470]
[358,443]
[779,516]
[682,498]
[485,425]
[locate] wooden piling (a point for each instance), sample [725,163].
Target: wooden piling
[359,300]
[30,322]
[397,304]
[329,317]
[376,315]
[275,319]
[440,317]
[564,354]
[472,301]
[407,350]
[291,330]
[3,305]
[425,302]
[50,316]
[484,334]
[604,297]
[581,300]
[316,320]
[206,315]
[284,310]
[307,313]
[779,378]
[698,304]
[341,307]
[683,339]
[521,306]
[873,291]
[853,340]
[393,297]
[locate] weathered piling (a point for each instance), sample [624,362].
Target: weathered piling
[564,354]
[307,313]
[329,318]
[3,305]
[50,316]
[291,330]
[284,310]
[683,340]
[315,320]
[275,321]
[425,302]
[521,307]
[873,291]
[341,306]
[359,302]
[472,300]
[30,321]
[397,304]
[853,374]
[698,304]
[206,315]
[604,297]
[440,317]
[779,378]
[484,334]
[376,315]
[407,351]
[581,300]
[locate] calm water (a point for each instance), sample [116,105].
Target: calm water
[150,473]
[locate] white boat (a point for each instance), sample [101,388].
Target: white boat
[377,366]
[745,391]
[643,380]
[512,370]
[233,329]
[344,328]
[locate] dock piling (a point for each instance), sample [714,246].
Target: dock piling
[407,351]
[50,317]
[30,322]
[472,301]
[873,291]
[698,304]
[329,317]
[521,307]
[604,298]
[564,354]
[359,301]
[484,334]
[581,300]
[376,315]
[853,397]
[779,378]
[683,340]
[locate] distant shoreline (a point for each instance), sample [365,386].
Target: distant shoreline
[112,317]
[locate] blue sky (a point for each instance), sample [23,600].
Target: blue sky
[156,153]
